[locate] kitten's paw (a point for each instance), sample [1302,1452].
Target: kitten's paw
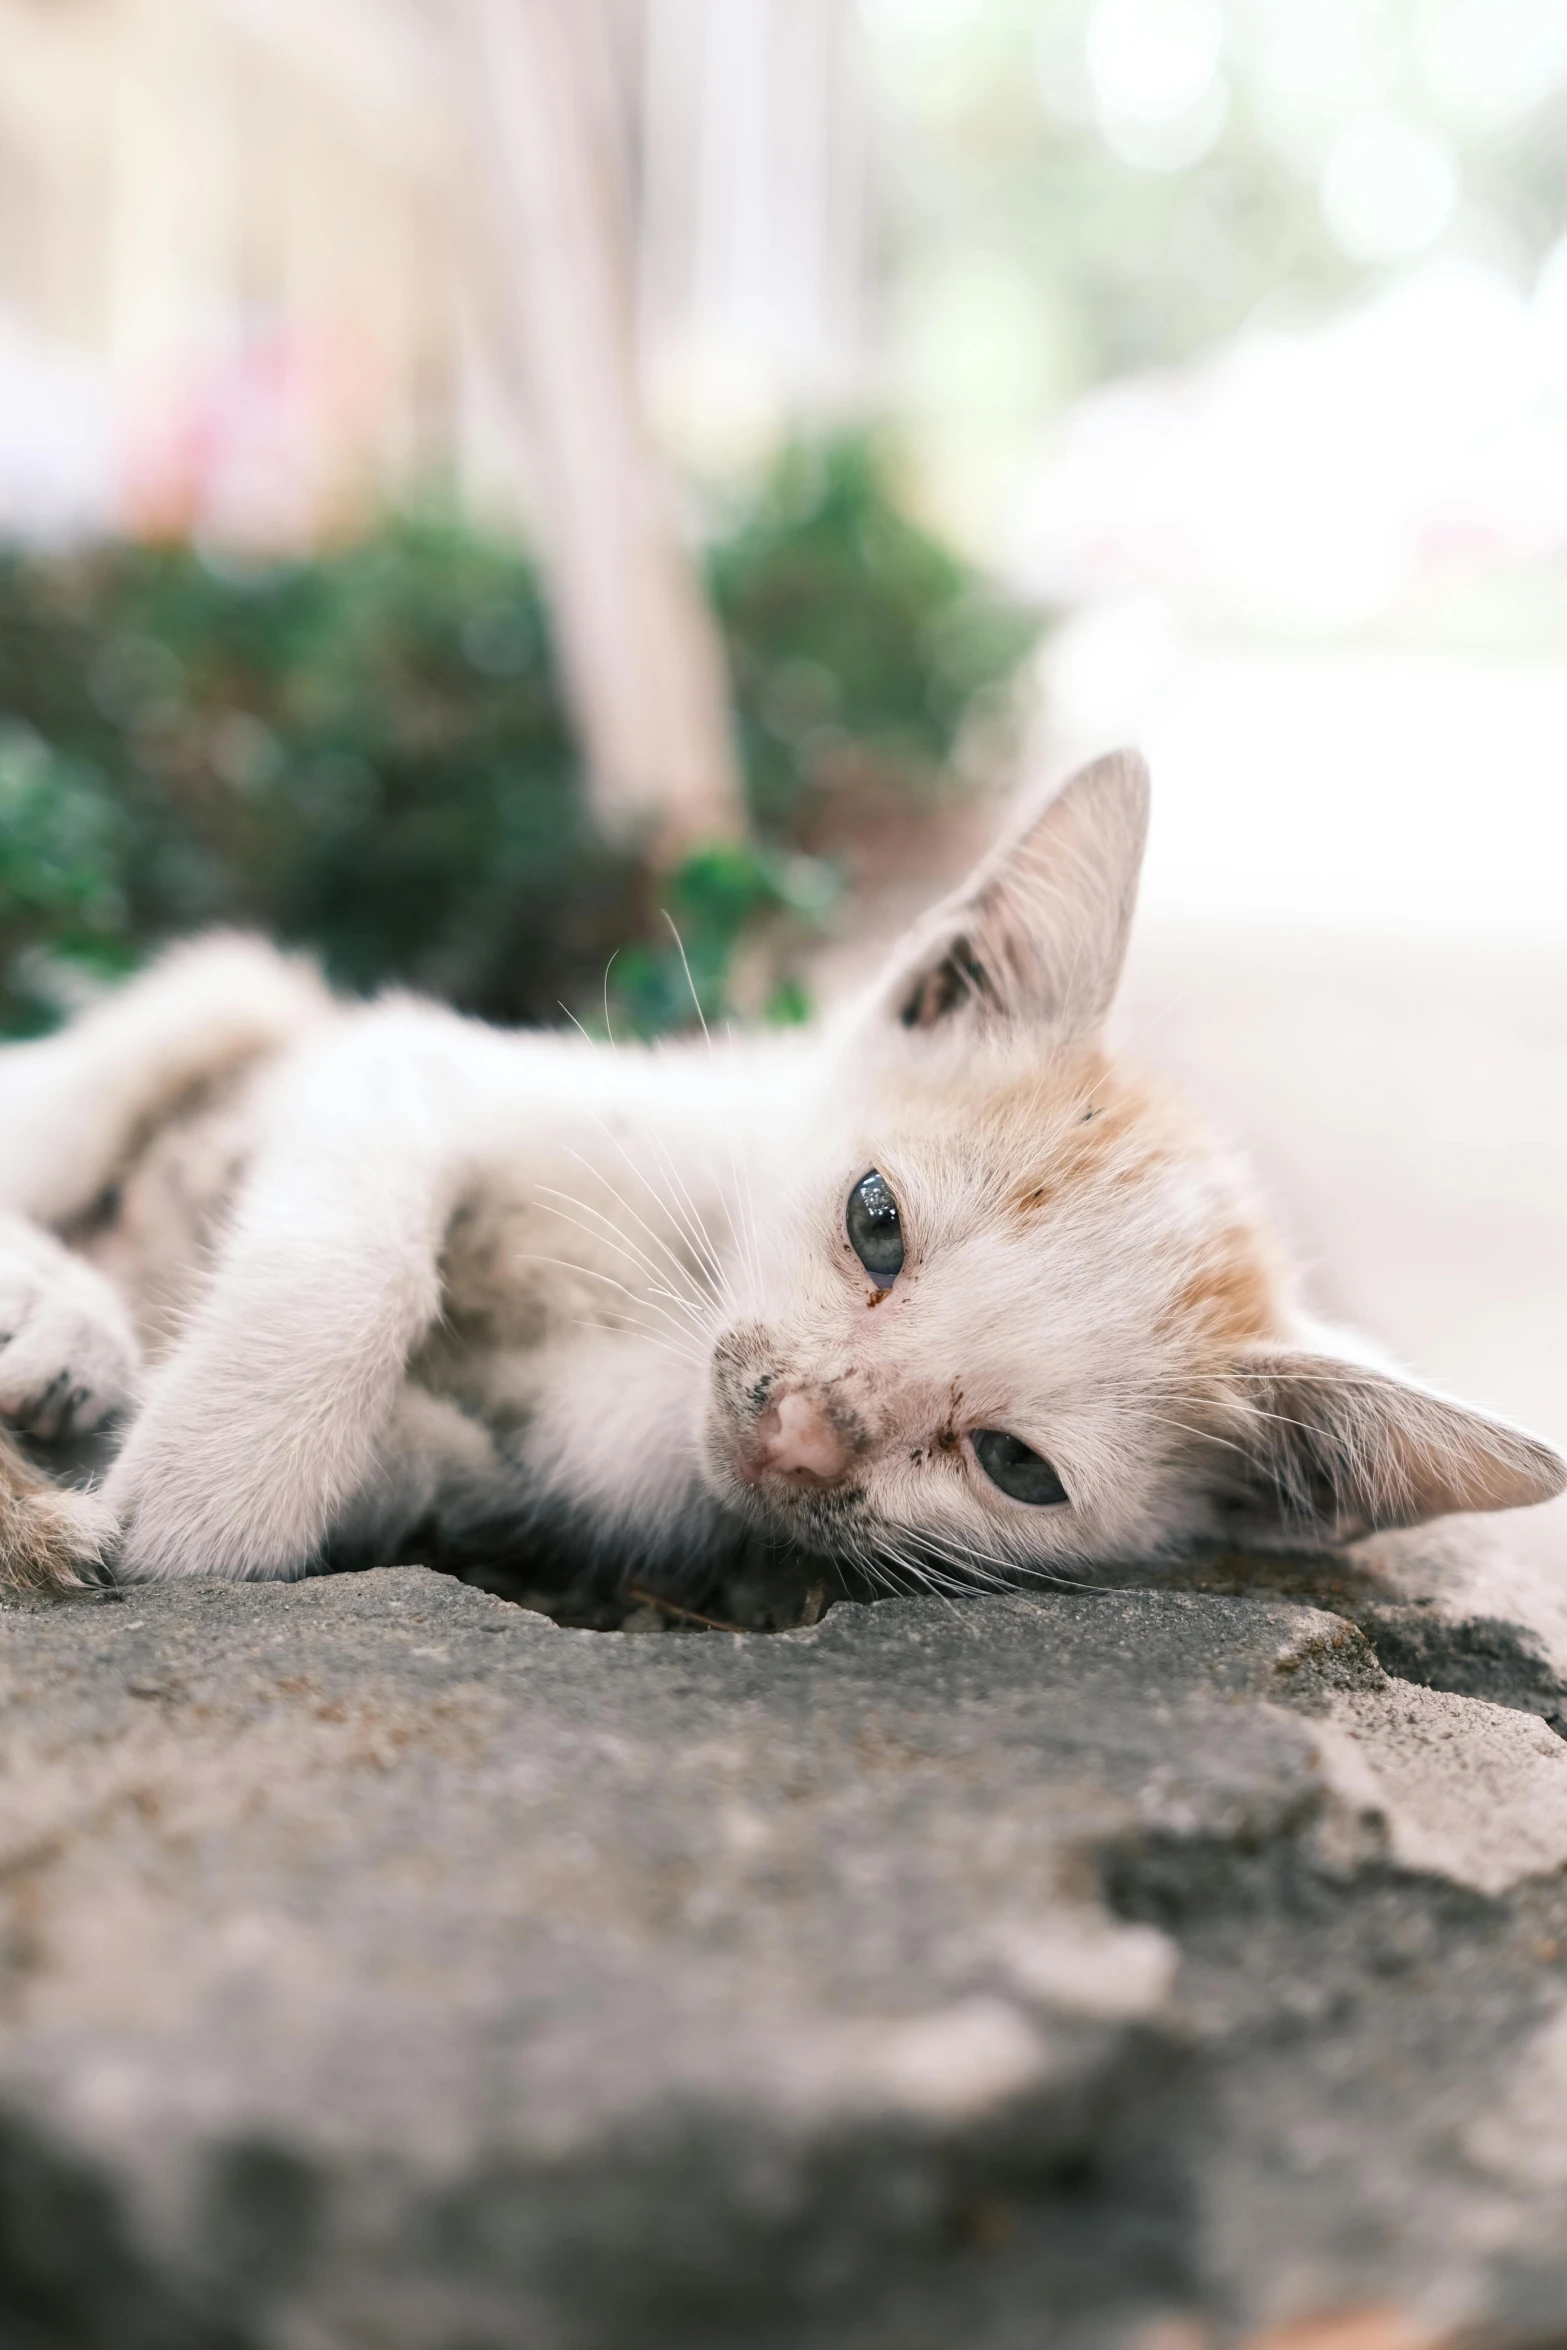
[187,1500]
[50,1539]
[68,1353]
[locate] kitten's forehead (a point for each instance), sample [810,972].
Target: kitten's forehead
[971,1118]
[1069,1193]
[1008,1140]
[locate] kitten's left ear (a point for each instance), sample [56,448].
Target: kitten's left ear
[1038,932]
[1320,1452]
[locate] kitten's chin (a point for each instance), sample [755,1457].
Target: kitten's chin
[833,1526]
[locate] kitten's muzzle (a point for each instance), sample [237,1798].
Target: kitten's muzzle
[795,1442]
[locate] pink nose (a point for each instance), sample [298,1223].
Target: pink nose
[795,1439]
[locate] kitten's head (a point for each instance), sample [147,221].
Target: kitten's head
[1019,1310]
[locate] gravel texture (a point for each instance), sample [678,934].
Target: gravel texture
[383,1964]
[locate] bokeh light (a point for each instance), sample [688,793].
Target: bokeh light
[1388,189]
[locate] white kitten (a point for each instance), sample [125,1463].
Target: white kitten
[944,1288]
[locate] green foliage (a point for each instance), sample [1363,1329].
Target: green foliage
[61,850]
[368,753]
[722,896]
[857,642]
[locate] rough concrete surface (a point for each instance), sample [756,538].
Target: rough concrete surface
[384,1964]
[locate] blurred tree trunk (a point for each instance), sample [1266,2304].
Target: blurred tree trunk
[753,211]
[638,645]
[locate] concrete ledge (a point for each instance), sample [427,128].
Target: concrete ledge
[385,1965]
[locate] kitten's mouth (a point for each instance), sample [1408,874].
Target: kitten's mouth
[830,1520]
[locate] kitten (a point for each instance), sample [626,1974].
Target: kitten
[943,1290]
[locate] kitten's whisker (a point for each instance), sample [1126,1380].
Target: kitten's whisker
[931,1580]
[736,1192]
[690,1217]
[612,1235]
[648,1186]
[996,1571]
[852,1555]
[651,1336]
[893,1572]
[748,1216]
[638,1297]
[978,1570]
[682,1270]
[690,982]
[593,1272]
[918,1571]
[1204,1435]
[675,1323]
[744,1233]
[1283,1419]
[742,1236]
[869,1565]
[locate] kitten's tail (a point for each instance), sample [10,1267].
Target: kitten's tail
[50,1538]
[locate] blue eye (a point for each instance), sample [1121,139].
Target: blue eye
[1020,1472]
[875,1230]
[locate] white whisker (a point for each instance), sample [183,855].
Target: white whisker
[653,1337]
[695,1303]
[680,1267]
[637,1297]
[687,1214]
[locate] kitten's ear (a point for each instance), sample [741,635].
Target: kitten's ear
[1038,932]
[1320,1452]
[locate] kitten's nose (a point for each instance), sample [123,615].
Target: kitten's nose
[795,1439]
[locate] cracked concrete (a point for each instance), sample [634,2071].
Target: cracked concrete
[382,1964]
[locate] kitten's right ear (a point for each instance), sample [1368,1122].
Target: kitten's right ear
[1037,934]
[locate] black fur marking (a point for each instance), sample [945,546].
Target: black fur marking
[959,978]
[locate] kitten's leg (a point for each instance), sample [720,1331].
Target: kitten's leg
[73,1106]
[430,1458]
[265,1420]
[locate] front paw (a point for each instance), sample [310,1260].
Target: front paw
[50,1539]
[207,1483]
[68,1354]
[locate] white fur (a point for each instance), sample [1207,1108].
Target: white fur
[70,1105]
[485,1278]
[68,1353]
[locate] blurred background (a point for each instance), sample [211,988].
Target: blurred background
[478,474]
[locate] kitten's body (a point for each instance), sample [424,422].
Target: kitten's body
[391,1269]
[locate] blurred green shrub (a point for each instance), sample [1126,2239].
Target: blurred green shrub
[857,642]
[368,753]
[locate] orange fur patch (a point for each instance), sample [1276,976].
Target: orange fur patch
[1106,1130]
[1114,1133]
[1230,1295]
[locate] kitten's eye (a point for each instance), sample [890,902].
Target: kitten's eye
[875,1232]
[1017,1468]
